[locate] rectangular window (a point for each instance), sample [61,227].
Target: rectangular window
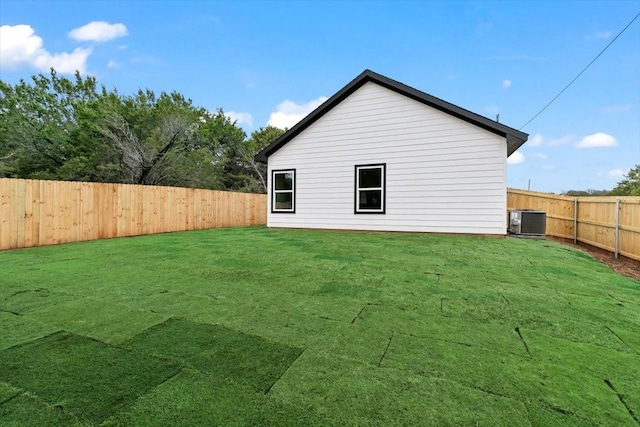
[370,188]
[283,191]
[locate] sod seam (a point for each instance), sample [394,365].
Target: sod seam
[620,303]
[359,313]
[10,398]
[526,347]
[621,340]
[59,331]
[563,297]
[75,398]
[621,398]
[385,350]
[282,374]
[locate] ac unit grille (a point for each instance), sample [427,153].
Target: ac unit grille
[527,222]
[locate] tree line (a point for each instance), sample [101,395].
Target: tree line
[73,130]
[628,186]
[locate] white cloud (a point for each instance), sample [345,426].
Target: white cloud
[539,155]
[99,31]
[615,173]
[240,118]
[288,113]
[539,140]
[598,35]
[619,108]
[66,63]
[506,84]
[112,64]
[21,46]
[552,142]
[536,141]
[515,158]
[598,139]
[18,44]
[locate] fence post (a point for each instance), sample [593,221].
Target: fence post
[617,228]
[575,220]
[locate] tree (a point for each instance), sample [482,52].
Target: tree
[630,185]
[259,140]
[148,133]
[68,129]
[37,122]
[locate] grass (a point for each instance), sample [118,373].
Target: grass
[251,326]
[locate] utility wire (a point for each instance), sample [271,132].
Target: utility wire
[583,70]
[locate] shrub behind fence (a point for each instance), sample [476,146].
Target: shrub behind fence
[37,213]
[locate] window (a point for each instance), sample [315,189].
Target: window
[370,188]
[283,191]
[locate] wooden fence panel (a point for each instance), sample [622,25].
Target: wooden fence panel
[595,218]
[630,228]
[37,213]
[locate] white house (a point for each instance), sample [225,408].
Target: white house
[380,155]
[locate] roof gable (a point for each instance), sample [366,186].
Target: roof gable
[514,137]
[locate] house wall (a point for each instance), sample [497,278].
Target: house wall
[443,174]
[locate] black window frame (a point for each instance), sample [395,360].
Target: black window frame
[273,191]
[356,209]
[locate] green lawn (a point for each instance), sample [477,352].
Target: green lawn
[251,326]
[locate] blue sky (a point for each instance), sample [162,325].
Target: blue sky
[272,62]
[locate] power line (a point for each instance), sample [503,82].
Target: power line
[583,70]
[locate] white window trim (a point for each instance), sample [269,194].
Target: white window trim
[382,188]
[274,191]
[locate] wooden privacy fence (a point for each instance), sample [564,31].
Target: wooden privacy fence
[37,213]
[611,222]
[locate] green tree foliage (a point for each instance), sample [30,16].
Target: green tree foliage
[260,139]
[630,185]
[589,192]
[38,124]
[69,129]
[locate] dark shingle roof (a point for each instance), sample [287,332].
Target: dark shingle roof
[514,137]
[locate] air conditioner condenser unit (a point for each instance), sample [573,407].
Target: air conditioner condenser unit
[527,223]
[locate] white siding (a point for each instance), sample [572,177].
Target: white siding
[443,174]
